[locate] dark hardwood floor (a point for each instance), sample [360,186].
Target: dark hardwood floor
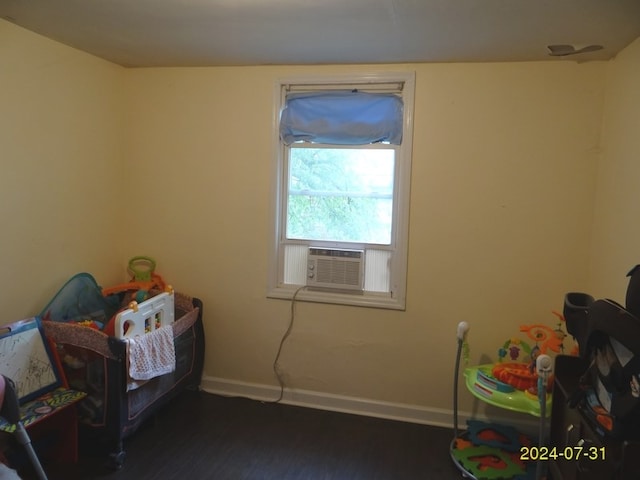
[205,436]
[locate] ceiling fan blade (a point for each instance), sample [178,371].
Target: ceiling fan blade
[561,50]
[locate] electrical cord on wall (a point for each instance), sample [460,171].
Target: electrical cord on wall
[276,369]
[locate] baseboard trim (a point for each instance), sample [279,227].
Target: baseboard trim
[353,405]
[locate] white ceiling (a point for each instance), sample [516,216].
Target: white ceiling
[144,33]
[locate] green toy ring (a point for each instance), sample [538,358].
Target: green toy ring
[517,400]
[142,268]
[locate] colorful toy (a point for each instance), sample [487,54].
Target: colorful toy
[514,384]
[494,435]
[480,381]
[521,371]
[489,463]
[91,324]
[485,451]
[144,279]
[145,317]
[489,451]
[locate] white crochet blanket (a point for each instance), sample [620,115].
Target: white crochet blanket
[150,355]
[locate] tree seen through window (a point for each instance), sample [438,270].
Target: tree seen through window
[341,194]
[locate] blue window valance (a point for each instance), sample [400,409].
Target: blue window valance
[342,118]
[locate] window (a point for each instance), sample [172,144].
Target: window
[342,176]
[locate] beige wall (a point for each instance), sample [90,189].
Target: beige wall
[61,169]
[176,164]
[501,206]
[616,232]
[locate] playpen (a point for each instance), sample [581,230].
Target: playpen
[97,363]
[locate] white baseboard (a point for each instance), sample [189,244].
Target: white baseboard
[359,406]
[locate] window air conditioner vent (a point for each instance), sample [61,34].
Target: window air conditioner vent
[335,269]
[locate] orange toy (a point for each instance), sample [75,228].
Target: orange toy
[144,278]
[520,373]
[545,337]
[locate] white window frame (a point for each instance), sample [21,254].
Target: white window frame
[396,298]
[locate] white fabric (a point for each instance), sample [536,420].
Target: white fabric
[150,355]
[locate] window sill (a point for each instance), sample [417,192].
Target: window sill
[366,299]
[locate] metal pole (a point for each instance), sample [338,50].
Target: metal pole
[544,366]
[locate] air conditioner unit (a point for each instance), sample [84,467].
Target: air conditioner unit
[330,268]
